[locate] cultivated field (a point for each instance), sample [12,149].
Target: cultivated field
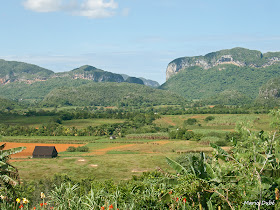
[225,122]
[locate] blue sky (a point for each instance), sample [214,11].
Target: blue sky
[134,37]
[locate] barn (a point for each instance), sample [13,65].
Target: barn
[44,152]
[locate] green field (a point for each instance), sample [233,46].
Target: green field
[82,123]
[221,121]
[33,121]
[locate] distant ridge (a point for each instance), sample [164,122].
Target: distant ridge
[237,56]
[13,71]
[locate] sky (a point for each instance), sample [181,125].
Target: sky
[134,37]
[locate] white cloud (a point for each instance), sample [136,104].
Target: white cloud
[87,8]
[98,8]
[43,5]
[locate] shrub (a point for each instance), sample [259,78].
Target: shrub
[216,134]
[82,149]
[189,135]
[221,143]
[233,136]
[71,149]
[209,118]
[190,121]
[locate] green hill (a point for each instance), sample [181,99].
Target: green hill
[197,83]
[37,90]
[238,69]
[91,73]
[109,94]
[134,80]
[12,71]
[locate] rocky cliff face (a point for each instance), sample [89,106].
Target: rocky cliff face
[235,56]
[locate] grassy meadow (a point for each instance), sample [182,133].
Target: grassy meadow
[226,122]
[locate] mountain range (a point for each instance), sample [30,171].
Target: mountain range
[235,77]
[13,71]
[82,86]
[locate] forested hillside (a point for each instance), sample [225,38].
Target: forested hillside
[11,71]
[198,83]
[108,94]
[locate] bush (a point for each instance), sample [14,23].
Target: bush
[190,121]
[82,149]
[189,135]
[71,149]
[221,143]
[233,136]
[216,134]
[209,118]
[78,149]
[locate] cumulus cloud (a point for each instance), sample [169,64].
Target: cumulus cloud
[43,5]
[87,8]
[98,8]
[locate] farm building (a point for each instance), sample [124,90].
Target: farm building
[44,152]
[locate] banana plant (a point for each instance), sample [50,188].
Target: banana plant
[9,176]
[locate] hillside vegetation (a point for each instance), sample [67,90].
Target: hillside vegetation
[198,83]
[107,94]
[269,93]
[11,71]
[37,90]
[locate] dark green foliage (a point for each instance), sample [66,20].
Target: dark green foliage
[190,121]
[269,93]
[78,149]
[233,137]
[37,90]
[83,149]
[136,122]
[150,83]
[182,133]
[134,80]
[9,176]
[197,83]
[242,55]
[93,74]
[6,104]
[109,94]
[228,97]
[13,71]
[29,83]
[221,143]
[209,118]
[71,149]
